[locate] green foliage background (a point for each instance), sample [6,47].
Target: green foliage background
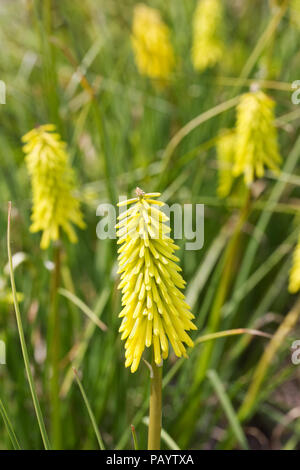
[117,141]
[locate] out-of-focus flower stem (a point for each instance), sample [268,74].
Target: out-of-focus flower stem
[229,263]
[262,367]
[187,419]
[251,399]
[54,350]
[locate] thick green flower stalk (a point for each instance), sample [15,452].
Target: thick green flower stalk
[207,49]
[151,43]
[225,153]
[54,205]
[256,137]
[294,283]
[154,308]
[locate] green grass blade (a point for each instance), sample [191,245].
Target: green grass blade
[134,437]
[190,126]
[236,331]
[23,343]
[269,31]
[83,345]
[263,270]
[206,267]
[89,410]
[261,370]
[9,427]
[165,436]
[227,407]
[83,307]
[178,364]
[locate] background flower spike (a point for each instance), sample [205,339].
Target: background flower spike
[53,182]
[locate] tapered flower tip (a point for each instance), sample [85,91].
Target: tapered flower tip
[140,195]
[154,309]
[139,192]
[38,130]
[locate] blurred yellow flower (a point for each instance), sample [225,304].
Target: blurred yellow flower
[154,309]
[53,183]
[150,38]
[295,12]
[225,154]
[207,49]
[256,137]
[6,297]
[294,284]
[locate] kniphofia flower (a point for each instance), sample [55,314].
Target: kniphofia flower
[53,182]
[207,49]
[154,308]
[256,137]
[295,12]
[294,282]
[151,43]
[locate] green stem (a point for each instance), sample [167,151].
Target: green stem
[189,127]
[23,343]
[155,410]
[175,368]
[262,367]
[252,397]
[54,351]
[190,410]
[106,151]
[268,33]
[43,18]
[262,224]
[215,316]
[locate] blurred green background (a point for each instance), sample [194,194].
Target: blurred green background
[52,54]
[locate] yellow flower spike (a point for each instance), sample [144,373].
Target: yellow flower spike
[53,182]
[256,137]
[295,13]
[154,310]
[151,43]
[225,154]
[294,283]
[207,49]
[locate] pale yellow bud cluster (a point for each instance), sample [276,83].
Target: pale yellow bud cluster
[154,309]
